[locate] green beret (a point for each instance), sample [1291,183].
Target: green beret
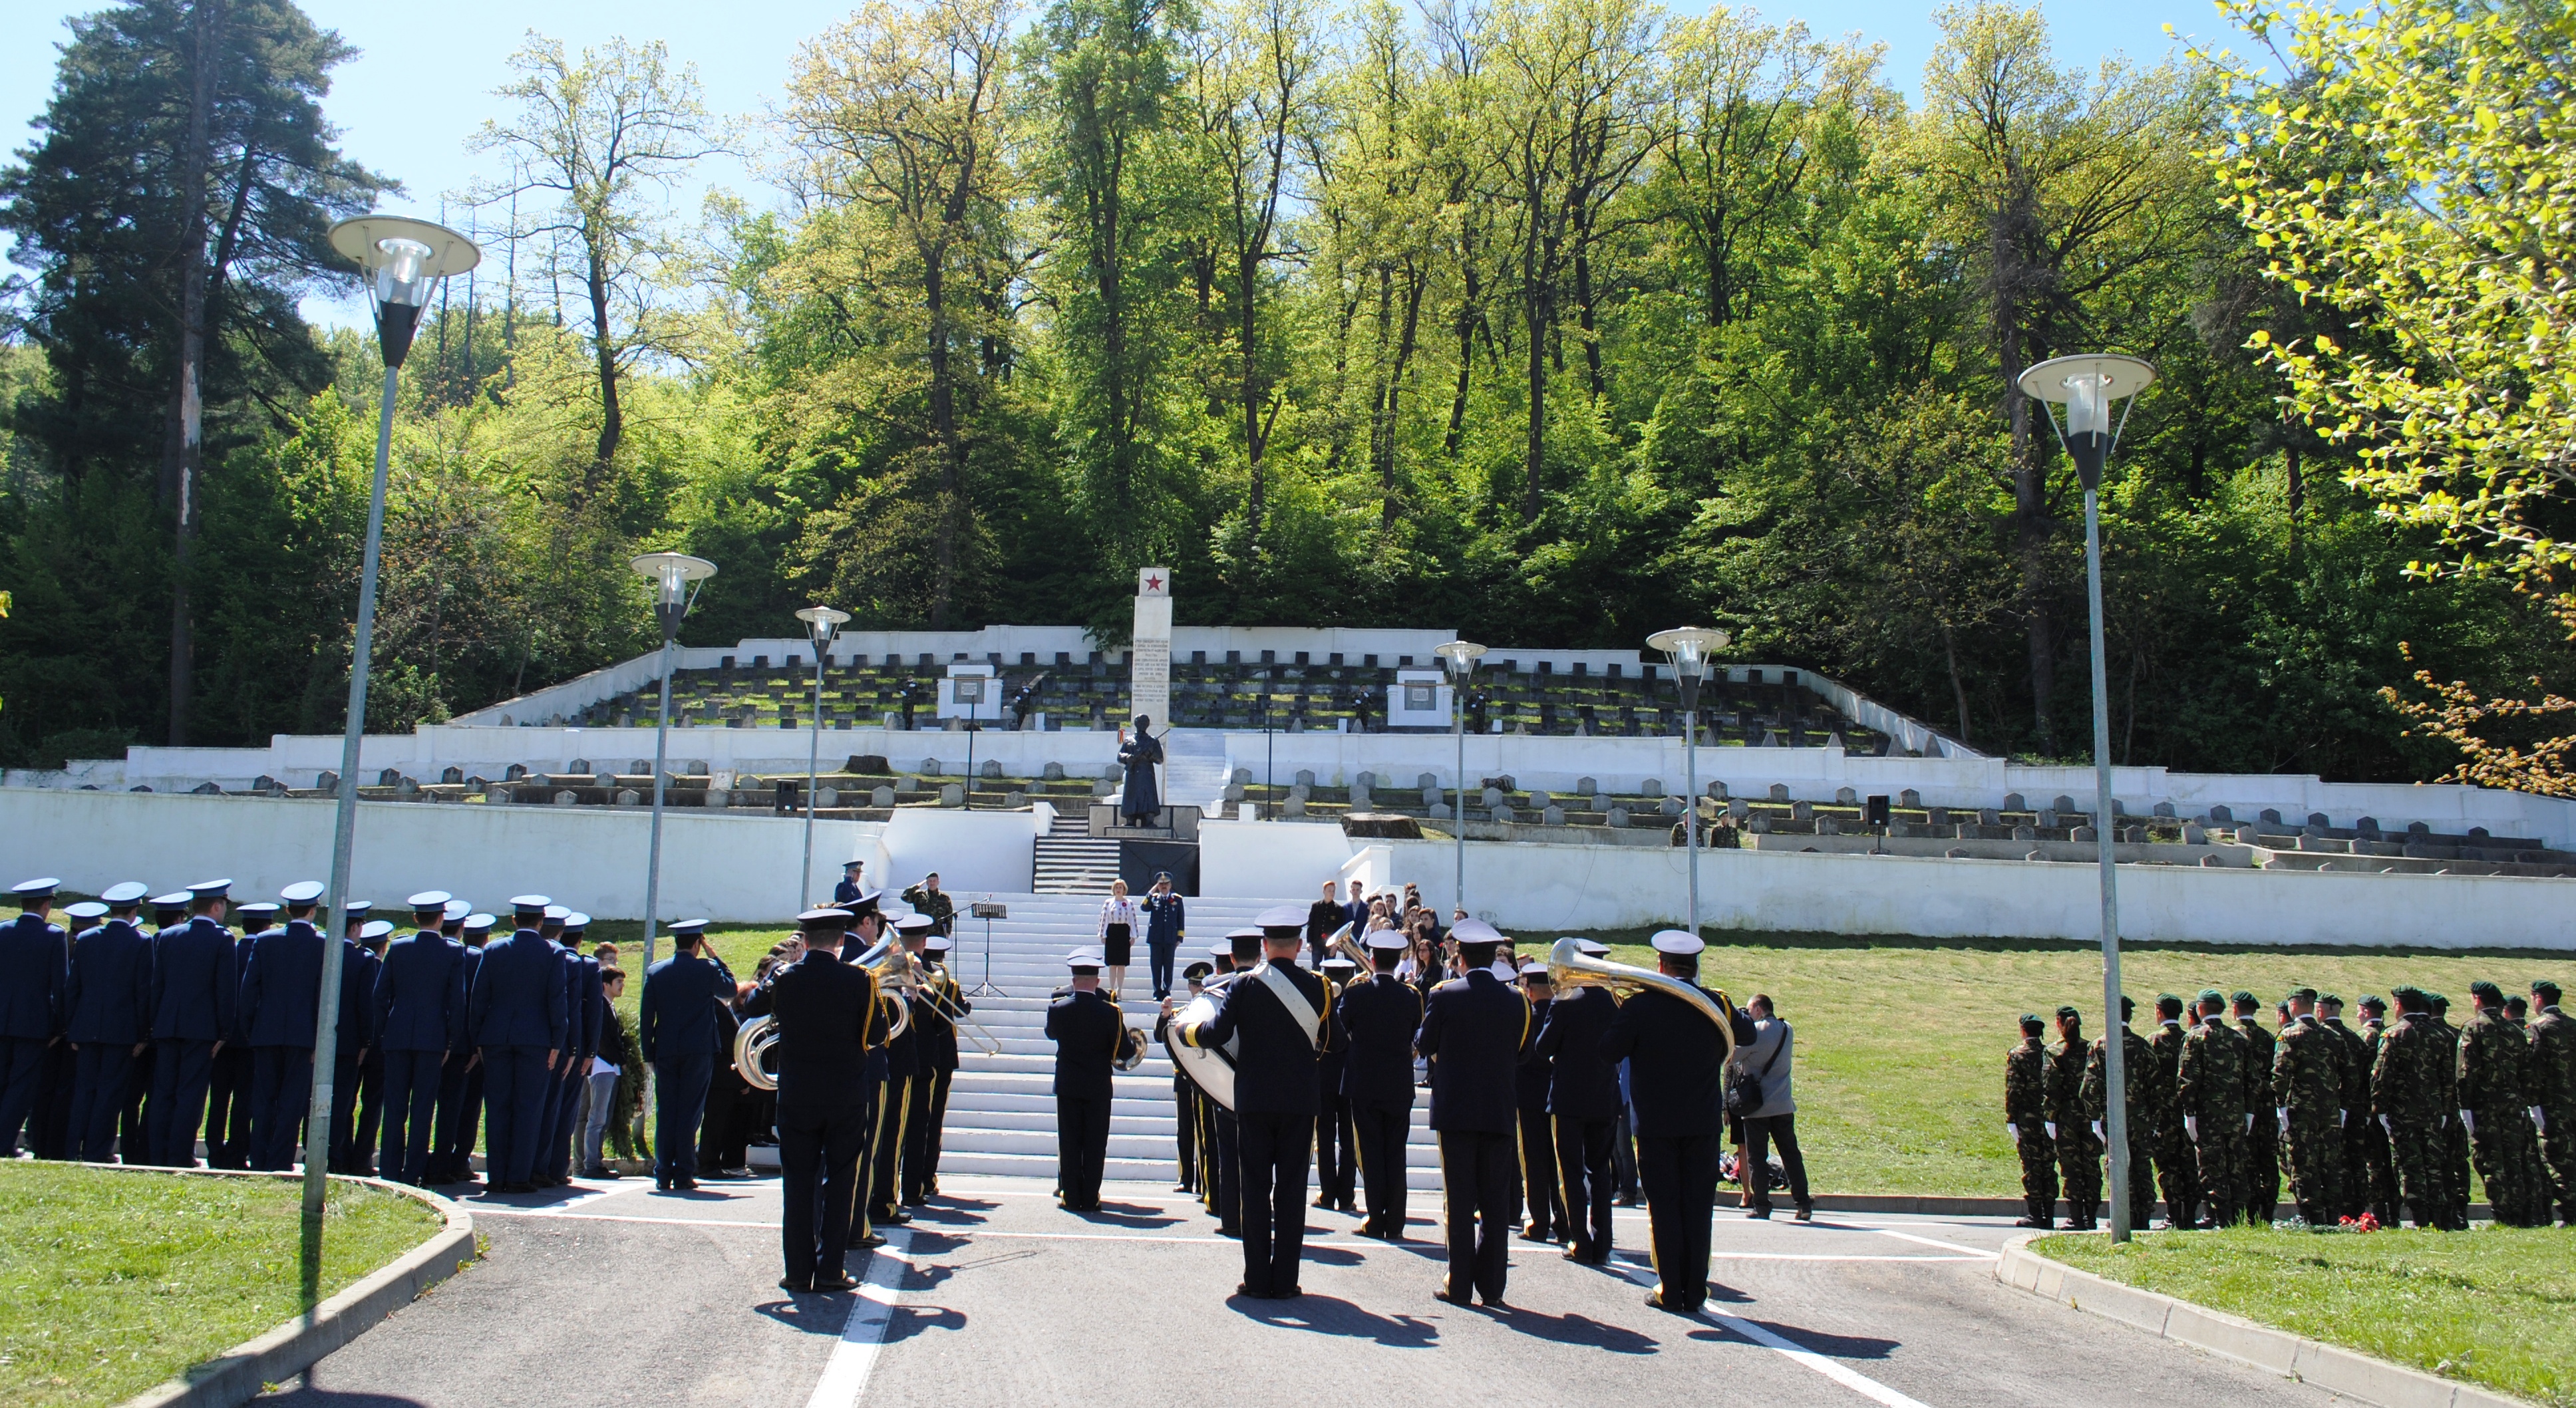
[2065,1012]
[2242,997]
[2303,994]
[2212,995]
[2030,1019]
[2371,1002]
[2545,985]
[2330,997]
[2436,998]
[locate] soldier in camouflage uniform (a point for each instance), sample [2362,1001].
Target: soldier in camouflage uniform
[2026,1120]
[2137,1074]
[2307,1098]
[2408,1087]
[2495,1101]
[2177,1166]
[2553,1090]
[2209,1087]
[2261,1196]
[2370,1181]
[2079,1154]
[2455,1136]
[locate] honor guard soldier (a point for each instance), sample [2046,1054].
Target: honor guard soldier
[281,994]
[35,968]
[108,1006]
[2026,1121]
[2306,1084]
[1280,1014]
[419,1018]
[678,1021]
[1543,1200]
[2261,1173]
[516,1019]
[1378,1019]
[1676,1065]
[827,1018]
[935,1018]
[229,1075]
[2137,1076]
[903,1072]
[1474,1030]
[1582,1110]
[2079,1154]
[2210,1091]
[460,1076]
[867,925]
[1337,1173]
[1086,1030]
[352,1132]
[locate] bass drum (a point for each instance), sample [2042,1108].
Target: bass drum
[1211,1069]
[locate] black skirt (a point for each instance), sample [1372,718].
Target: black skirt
[1114,946]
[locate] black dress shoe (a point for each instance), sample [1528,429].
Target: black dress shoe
[2045,1224]
[833,1285]
[1655,1301]
[894,1218]
[1534,1234]
[1290,1293]
[1444,1294]
[873,1239]
[1759,1215]
[684,1185]
[793,1286]
[1244,1289]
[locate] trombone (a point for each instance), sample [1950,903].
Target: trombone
[1568,967]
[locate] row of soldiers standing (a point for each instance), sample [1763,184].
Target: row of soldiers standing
[2222,1108]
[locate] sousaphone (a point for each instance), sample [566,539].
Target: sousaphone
[1210,1068]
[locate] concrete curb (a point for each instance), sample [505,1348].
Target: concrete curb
[238,1374]
[2355,1376]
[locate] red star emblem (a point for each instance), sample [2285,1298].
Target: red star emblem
[1153,584]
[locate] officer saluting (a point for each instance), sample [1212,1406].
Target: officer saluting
[1474,1029]
[1086,1031]
[679,1038]
[108,1008]
[1282,1015]
[1583,1107]
[827,1019]
[1378,1019]
[419,1018]
[516,1018]
[35,967]
[1676,1064]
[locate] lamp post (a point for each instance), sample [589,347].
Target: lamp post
[1688,648]
[2088,385]
[677,579]
[822,623]
[1462,656]
[404,261]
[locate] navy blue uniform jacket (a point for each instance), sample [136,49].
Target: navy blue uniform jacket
[1275,1066]
[281,986]
[1581,1085]
[420,994]
[359,970]
[1677,1062]
[679,1014]
[518,997]
[1378,1017]
[1474,1030]
[827,1020]
[196,983]
[1084,1028]
[35,967]
[1529,1086]
[109,998]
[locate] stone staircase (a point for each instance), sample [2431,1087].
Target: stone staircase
[1194,769]
[1001,1114]
[1071,861]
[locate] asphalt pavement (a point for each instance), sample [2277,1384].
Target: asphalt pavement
[613,1293]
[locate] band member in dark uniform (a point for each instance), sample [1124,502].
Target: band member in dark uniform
[1086,1032]
[1282,1015]
[1474,1030]
[1378,1019]
[1544,1202]
[1677,1061]
[682,996]
[1185,1092]
[825,1012]
[1336,1166]
[1582,1107]
[1220,1153]
[903,1069]
[935,1019]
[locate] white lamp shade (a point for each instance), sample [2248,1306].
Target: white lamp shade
[1461,655]
[404,257]
[1689,647]
[671,573]
[822,623]
[2087,383]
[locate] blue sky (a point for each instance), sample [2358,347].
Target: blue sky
[423,79]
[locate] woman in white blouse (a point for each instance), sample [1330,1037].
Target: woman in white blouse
[1119,921]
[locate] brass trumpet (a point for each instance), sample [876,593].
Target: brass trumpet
[1569,967]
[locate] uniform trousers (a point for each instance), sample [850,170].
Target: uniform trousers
[2314,1142]
[874,1084]
[1185,1133]
[1336,1166]
[1379,1131]
[134,1124]
[683,1100]
[1158,962]
[567,1123]
[102,1070]
[2221,1144]
[1583,1171]
[1479,1178]
[1678,1174]
[928,1111]
[2177,1170]
[226,1103]
[892,1115]
[2038,1173]
[1623,1157]
[460,1112]
[1544,1200]
[53,1115]
[22,1063]
[412,1080]
[818,1156]
[371,1111]
[345,1079]
[1275,1151]
[515,1083]
[1227,1171]
[1081,1148]
[281,1090]
[2416,1149]
[2260,1195]
[181,1071]
[2369,1179]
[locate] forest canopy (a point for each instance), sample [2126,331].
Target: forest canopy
[1555,321]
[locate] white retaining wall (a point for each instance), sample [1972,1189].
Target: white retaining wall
[1574,888]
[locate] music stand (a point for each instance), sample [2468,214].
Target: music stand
[988,911]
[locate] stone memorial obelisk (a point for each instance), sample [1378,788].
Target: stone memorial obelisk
[1149,658]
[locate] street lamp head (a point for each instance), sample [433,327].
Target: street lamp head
[404,259]
[1461,655]
[1689,648]
[822,623]
[674,576]
[2089,385]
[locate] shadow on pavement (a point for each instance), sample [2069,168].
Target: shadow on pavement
[813,1314]
[308,1396]
[1329,1315]
[1135,1215]
[908,1321]
[1572,1329]
[1830,1346]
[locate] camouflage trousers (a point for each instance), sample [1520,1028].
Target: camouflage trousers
[2312,1150]
[2221,1147]
[2038,1174]
[2178,1170]
[2508,1158]
[2559,1148]
[2369,1179]
[2258,1193]
[2079,1170]
[2418,1150]
[2142,1173]
[2455,1169]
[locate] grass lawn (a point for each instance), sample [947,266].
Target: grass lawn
[113,1282]
[2495,1307]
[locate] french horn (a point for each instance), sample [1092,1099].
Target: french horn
[1569,967]
[755,1046]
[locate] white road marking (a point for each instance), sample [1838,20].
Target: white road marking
[1973,1252]
[845,1375]
[1796,1353]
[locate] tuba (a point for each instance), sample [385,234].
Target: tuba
[1567,967]
[755,1046]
